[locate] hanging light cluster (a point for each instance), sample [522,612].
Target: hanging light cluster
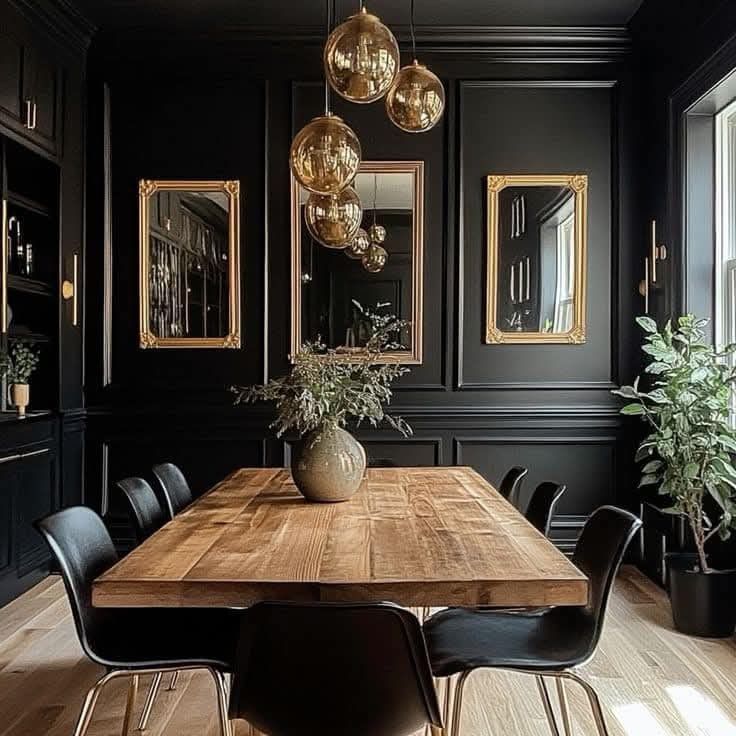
[361,61]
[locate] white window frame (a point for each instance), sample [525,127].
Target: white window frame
[725,287]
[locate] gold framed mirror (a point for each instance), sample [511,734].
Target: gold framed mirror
[189,276]
[331,290]
[537,255]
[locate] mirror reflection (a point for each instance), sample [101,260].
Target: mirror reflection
[188,277]
[341,292]
[536,256]
[536,259]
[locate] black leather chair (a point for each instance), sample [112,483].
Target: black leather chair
[130,642]
[547,643]
[330,669]
[174,486]
[146,512]
[510,486]
[148,517]
[542,505]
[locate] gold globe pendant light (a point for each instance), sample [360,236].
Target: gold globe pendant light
[376,234]
[358,245]
[333,219]
[325,154]
[375,258]
[416,100]
[361,58]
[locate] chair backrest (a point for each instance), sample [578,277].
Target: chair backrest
[84,550]
[542,505]
[332,669]
[599,553]
[510,486]
[174,485]
[146,511]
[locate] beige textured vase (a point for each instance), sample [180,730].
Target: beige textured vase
[19,395]
[329,469]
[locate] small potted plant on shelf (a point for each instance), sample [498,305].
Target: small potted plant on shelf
[687,455]
[22,363]
[323,391]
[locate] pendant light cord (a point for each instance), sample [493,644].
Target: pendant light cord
[375,196]
[328,28]
[413,36]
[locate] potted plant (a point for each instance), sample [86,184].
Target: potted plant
[21,364]
[323,391]
[687,454]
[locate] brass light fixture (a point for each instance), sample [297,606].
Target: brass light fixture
[325,154]
[333,219]
[416,100]
[375,258]
[358,245]
[361,58]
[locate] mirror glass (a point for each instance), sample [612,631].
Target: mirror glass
[190,279]
[339,296]
[537,259]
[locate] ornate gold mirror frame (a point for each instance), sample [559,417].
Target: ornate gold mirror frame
[578,184]
[414,356]
[231,189]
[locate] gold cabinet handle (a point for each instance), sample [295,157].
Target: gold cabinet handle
[35,113]
[644,286]
[29,113]
[69,290]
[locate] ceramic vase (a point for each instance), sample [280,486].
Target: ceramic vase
[19,395]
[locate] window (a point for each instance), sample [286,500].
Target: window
[725,281]
[565,288]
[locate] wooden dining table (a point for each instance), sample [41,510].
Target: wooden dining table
[420,537]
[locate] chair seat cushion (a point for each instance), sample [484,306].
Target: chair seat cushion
[150,638]
[461,639]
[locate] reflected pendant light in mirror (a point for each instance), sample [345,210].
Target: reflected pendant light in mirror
[333,219]
[325,153]
[416,100]
[375,258]
[358,245]
[361,58]
[376,234]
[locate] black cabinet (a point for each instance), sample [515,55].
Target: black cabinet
[28,491]
[30,82]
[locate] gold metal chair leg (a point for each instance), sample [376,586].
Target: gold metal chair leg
[174,680]
[88,708]
[547,702]
[130,703]
[222,705]
[564,708]
[595,703]
[456,703]
[150,699]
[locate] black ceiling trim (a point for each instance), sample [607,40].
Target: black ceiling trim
[502,43]
[62,21]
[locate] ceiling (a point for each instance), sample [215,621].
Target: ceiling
[294,13]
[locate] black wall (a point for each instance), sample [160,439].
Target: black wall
[227,107]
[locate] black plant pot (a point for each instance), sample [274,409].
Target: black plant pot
[703,604]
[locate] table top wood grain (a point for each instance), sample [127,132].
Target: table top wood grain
[435,536]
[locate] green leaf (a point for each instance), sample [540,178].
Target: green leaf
[647,324]
[627,392]
[652,466]
[648,480]
[633,410]
[643,452]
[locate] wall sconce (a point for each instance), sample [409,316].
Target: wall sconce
[656,253]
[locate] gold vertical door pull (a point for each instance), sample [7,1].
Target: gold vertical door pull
[69,290]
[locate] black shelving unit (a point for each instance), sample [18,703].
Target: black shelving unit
[30,190]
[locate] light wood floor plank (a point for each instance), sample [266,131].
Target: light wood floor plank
[652,680]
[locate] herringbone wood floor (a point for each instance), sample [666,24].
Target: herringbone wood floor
[653,681]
